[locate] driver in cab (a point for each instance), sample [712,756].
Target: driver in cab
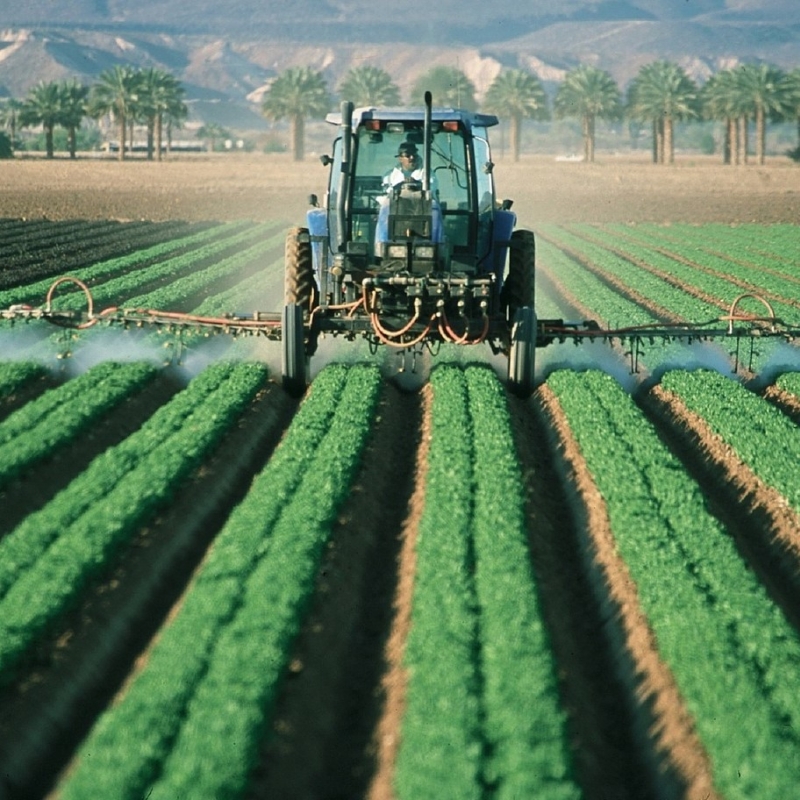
[408,168]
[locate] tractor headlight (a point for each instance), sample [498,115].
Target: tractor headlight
[396,251]
[425,251]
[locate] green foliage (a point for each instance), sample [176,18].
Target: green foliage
[745,421]
[14,375]
[86,535]
[192,720]
[690,577]
[482,701]
[43,426]
[369,86]
[449,87]
[6,148]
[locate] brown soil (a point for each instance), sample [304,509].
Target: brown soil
[340,700]
[267,187]
[668,744]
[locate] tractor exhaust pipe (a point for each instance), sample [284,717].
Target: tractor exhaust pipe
[426,179]
[342,195]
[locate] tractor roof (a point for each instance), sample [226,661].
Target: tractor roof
[414,114]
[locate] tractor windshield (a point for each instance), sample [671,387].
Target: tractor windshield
[376,156]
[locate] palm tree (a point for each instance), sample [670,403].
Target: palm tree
[9,118]
[449,87]
[369,86]
[662,93]
[42,107]
[115,93]
[516,94]
[73,110]
[212,132]
[159,93]
[588,93]
[717,99]
[297,93]
[761,89]
[791,97]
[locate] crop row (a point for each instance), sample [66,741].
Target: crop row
[732,653]
[34,293]
[65,255]
[191,721]
[482,703]
[44,425]
[717,274]
[14,375]
[48,560]
[745,422]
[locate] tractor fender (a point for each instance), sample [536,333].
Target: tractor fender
[504,222]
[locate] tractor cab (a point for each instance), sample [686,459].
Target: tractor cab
[444,221]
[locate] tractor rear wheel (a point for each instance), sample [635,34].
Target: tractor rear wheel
[300,285]
[522,353]
[294,363]
[519,287]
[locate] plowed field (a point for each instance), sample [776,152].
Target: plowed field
[398,589]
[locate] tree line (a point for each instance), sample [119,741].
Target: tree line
[152,97]
[661,94]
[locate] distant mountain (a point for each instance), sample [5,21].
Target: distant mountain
[227,53]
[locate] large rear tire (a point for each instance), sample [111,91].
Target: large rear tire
[519,287]
[522,353]
[294,363]
[300,285]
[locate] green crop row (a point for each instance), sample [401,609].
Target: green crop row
[14,375]
[191,721]
[772,246]
[734,656]
[482,703]
[34,293]
[119,289]
[44,425]
[763,438]
[714,284]
[81,549]
[675,300]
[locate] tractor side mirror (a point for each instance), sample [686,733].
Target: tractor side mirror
[506,205]
[313,200]
[326,160]
[488,167]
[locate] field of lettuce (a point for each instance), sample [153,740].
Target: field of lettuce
[209,589]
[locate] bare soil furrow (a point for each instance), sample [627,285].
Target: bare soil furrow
[322,740]
[660,735]
[75,673]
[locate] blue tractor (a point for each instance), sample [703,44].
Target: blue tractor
[412,263]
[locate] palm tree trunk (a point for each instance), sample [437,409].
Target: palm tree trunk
[298,137]
[656,139]
[514,134]
[743,139]
[122,129]
[151,125]
[71,141]
[669,141]
[734,133]
[588,138]
[48,140]
[761,134]
[159,133]
[726,142]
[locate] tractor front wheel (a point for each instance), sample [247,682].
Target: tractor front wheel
[522,353]
[519,287]
[294,363]
[300,285]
